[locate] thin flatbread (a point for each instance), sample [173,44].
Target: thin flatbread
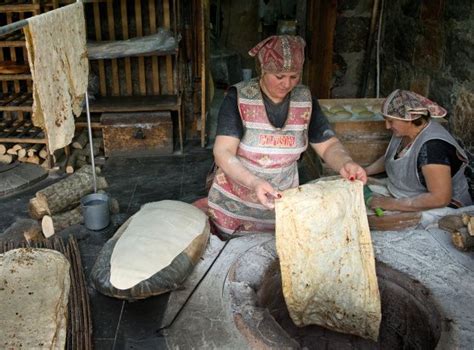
[154,237]
[56,44]
[326,258]
[34,290]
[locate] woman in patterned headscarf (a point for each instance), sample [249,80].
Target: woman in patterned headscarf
[424,163]
[264,125]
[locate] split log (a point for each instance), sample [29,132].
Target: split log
[55,223]
[34,150]
[23,229]
[450,223]
[32,160]
[59,196]
[81,140]
[468,221]
[114,206]
[43,153]
[6,158]
[35,209]
[462,240]
[79,156]
[3,149]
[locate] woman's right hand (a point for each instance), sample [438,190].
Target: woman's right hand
[265,193]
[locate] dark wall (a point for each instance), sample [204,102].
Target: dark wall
[428,46]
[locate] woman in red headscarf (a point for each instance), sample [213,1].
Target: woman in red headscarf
[424,163]
[264,125]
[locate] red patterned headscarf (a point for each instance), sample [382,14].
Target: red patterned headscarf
[280,53]
[408,105]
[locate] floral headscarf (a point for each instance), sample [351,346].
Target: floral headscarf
[408,105]
[280,53]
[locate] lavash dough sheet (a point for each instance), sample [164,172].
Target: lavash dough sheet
[157,233]
[34,290]
[326,258]
[57,55]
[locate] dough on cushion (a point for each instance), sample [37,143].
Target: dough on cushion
[326,258]
[34,290]
[158,233]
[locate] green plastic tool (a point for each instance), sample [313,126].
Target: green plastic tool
[368,197]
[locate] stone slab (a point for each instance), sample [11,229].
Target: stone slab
[20,177]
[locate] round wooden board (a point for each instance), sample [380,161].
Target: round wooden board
[394,221]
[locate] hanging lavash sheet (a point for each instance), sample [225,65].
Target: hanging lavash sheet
[326,258]
[56,44]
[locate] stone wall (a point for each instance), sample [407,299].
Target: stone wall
[428,47]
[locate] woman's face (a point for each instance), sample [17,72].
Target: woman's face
[277,86]
[398,127]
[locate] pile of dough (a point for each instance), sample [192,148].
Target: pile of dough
[34,289]
[154,237]
[326,258]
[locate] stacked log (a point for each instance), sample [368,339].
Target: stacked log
[58,205]
[81,154]
[26,153]
[461,228]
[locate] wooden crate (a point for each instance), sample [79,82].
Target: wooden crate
[137,134]
[359,125]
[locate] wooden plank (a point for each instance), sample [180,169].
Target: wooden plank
[135,103]
[15,77]
[4,83]
[204,8]
[111,24]
[19,8]
[141,60]
[169,63]
[16,84]
[128,67]
[154,59]
[12,43]
[321,51]
[98,37]
[22,140]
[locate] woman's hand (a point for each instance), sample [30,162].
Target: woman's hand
[265,193]
[385,203]
[353,171]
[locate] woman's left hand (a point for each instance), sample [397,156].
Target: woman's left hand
[353,171]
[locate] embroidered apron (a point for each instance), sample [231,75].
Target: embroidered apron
[268,152]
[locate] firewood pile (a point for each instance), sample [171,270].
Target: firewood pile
[23,152]
[81,152]
[58,205]
[78,155]
[461,228]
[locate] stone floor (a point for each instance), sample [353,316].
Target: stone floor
[133,182]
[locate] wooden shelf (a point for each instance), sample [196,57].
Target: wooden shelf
[4,77]
[15,39]
[20,132]
[20,7]
[135,103]
[18,102]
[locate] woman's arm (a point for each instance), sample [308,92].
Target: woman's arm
[438,195]
[336,156]
[225,155]
[376,167]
